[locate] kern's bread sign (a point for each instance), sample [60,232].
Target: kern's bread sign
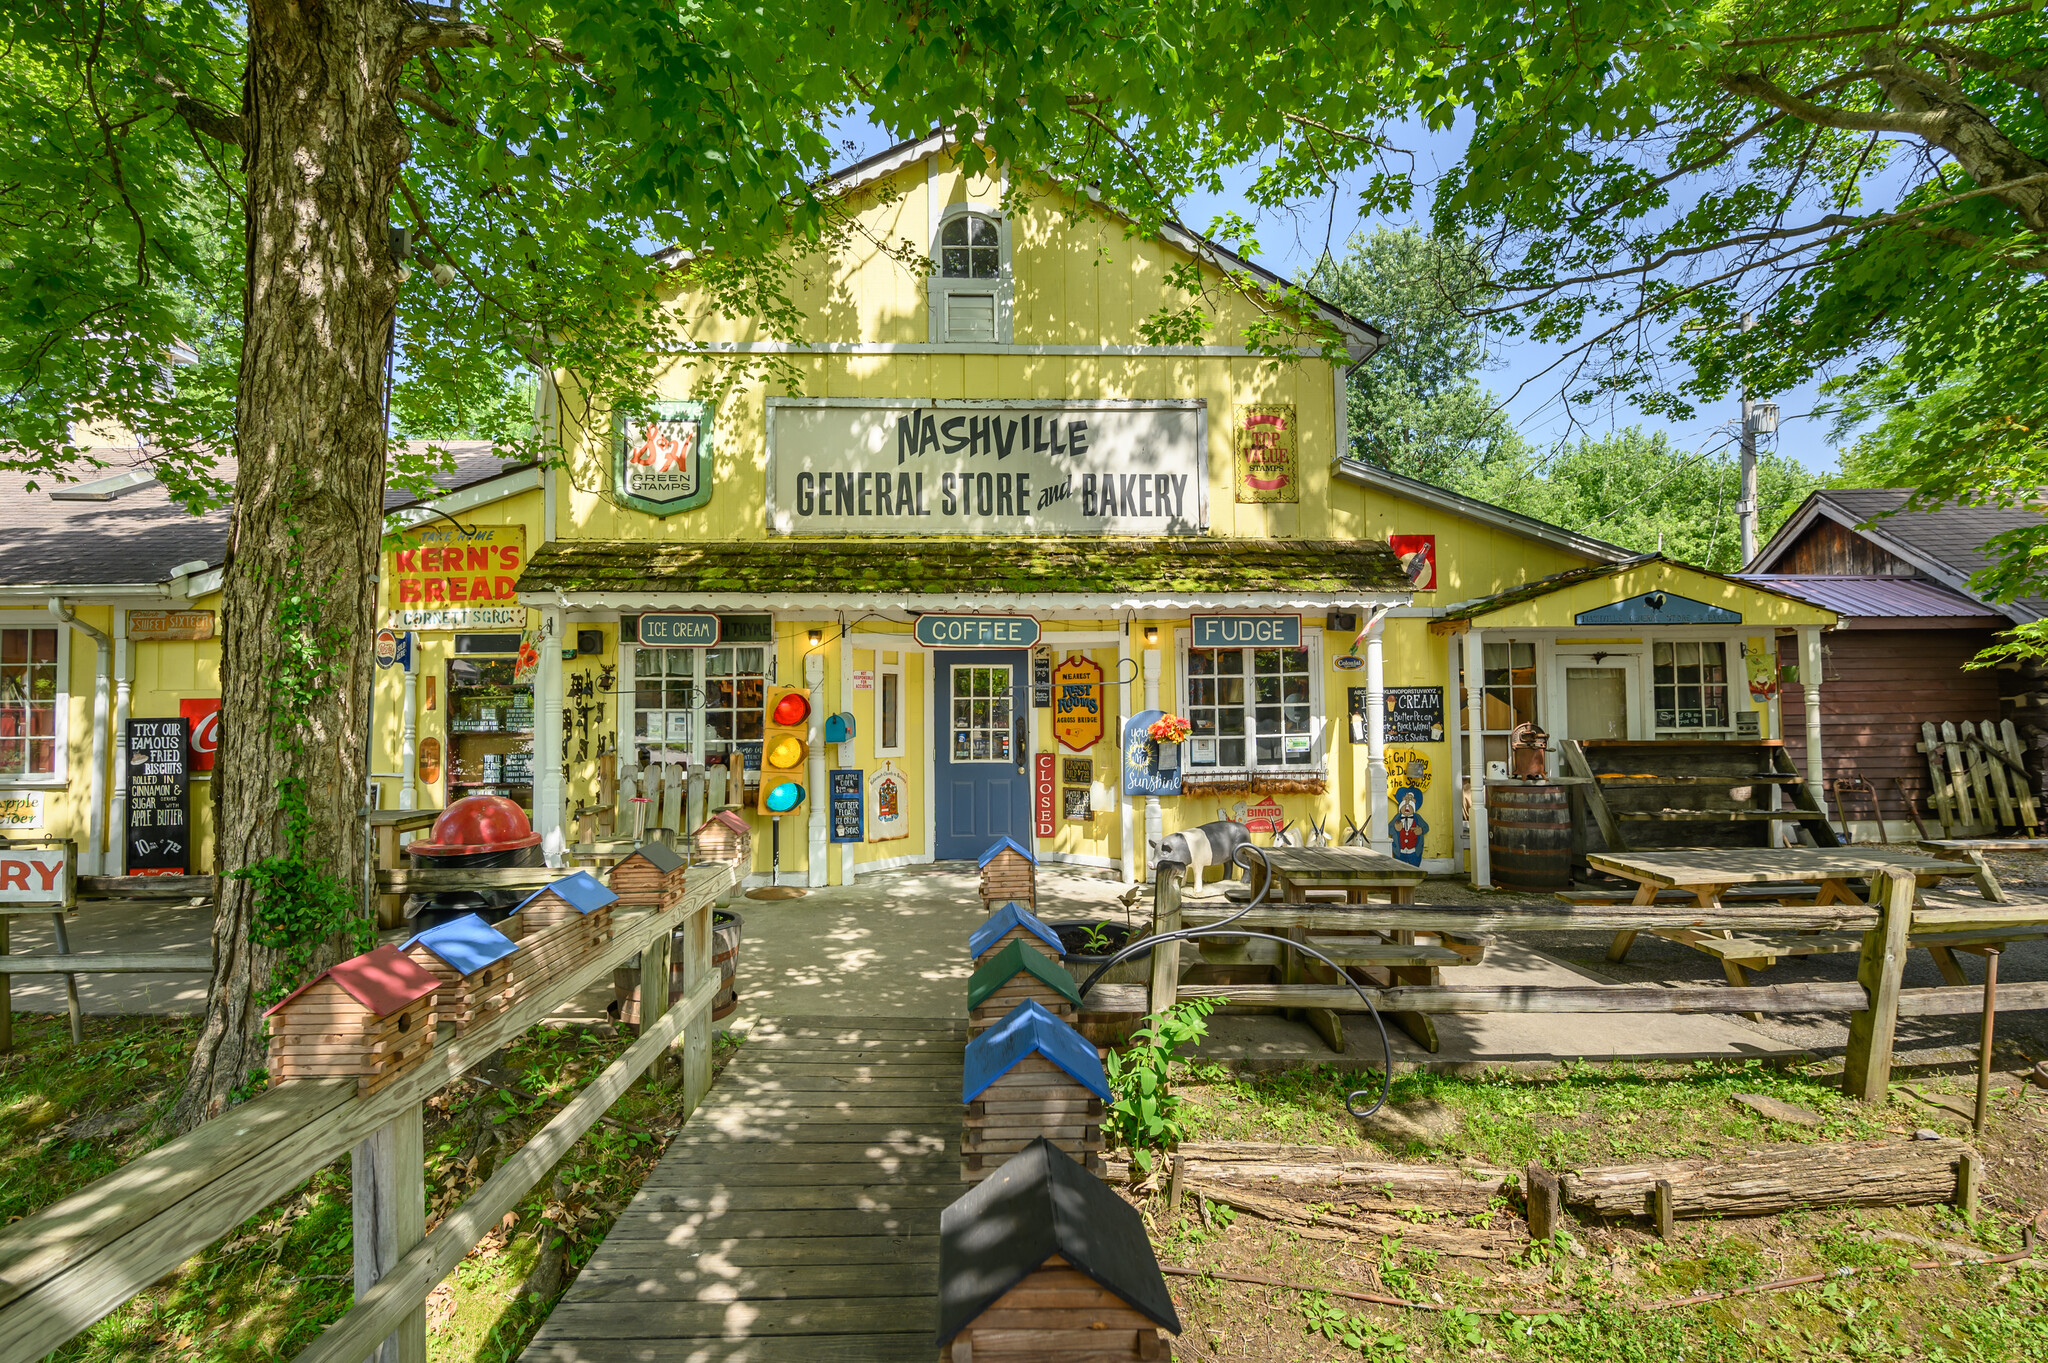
[447,578]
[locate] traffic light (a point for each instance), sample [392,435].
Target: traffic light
[785,747]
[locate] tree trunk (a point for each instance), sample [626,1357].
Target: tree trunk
[322,148]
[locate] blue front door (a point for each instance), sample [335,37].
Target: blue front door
[981,705]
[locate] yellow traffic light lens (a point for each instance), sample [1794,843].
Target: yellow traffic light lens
[793,708]
[785,752]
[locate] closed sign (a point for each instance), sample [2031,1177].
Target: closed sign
[977,631]
[1247,631]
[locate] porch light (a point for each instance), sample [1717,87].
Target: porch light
[815,636]
[1151,635]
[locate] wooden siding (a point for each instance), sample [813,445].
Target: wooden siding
[1833,548]
[1878,686]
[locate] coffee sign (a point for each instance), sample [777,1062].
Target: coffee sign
[977,631]
[870,466]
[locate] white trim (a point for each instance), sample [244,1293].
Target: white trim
[895,670]
[61,775]
[26,595]
[939,287]
[930,720]
[1082,638]
[969,348]
[892,863]
[1944,573]
[468,498]
[1044,605]
[1486,513]
[1322,733]
[1081,859]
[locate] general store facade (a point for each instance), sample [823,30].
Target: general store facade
[994,527]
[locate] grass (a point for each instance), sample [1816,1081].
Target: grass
[268,1289]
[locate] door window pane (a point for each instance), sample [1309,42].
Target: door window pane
[28,702]
[982,701]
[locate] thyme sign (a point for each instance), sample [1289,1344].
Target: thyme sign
[854,466]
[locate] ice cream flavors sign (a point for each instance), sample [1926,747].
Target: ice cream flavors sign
[864,466]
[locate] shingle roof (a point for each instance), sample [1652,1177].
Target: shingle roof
[1005,844]
[1041,1203]
[1544,586]
[1946,543]
[1190,567]
[1866,598]
[659,855]
[139,535]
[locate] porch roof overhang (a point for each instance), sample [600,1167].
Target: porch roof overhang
[1702,598]
[1045,575]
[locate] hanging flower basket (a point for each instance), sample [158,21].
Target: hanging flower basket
[1168,729]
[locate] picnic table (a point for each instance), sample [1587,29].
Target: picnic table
[1334,877]
[1786,876]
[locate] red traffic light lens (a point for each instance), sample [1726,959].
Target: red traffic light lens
[793,708]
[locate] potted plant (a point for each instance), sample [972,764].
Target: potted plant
[1086,945]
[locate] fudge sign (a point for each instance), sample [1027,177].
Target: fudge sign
[870,466]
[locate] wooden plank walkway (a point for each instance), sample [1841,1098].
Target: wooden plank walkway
[797,1215]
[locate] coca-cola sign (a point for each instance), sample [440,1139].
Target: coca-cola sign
[205,740]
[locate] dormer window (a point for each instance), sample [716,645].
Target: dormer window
[970,293]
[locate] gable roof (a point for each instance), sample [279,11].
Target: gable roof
[134,536]
[1592,572]
[1362,337]
[1870,600]
[659,855]
[383,981]
[467,944]
[1014,960]
[582,892]
[1026,1030]
[1486,513]
[1002,844]
[1042,1203]
[998,924]
[1947,543]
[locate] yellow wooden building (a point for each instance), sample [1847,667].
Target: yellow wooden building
[994,527]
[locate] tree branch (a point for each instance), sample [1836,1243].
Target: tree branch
[2006,69]
[428,105]
[1865,30]
[1753,85]
[199,115]
[422,37]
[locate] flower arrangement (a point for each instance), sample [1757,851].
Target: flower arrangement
[1169,729]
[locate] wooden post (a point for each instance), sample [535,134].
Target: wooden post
[1544,1200]
[696,1044]
[390,907]
[1165,955]
[1176,1183]
[654,958]
[1969,1182]
[1983,1110]
[1661,1210]
[1869,1061]
[388,1193]
[6,996]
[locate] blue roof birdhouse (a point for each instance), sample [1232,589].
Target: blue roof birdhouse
[1030,1030]
[1002,923]
[1005,844]
[466,944]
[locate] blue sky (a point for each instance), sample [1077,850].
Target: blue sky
[1528,376]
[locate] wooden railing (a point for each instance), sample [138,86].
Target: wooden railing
[1892,922]
[72,1263]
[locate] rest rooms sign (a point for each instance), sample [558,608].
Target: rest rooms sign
[871,466]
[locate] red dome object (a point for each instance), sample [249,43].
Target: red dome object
[477,823]
[793,708]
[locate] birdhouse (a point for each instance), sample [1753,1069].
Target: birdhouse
[557,928]
[470,959]
[1009,872]
[371,1018]
[725,838]
[1028,1076]
[1042,1263]
[1011,923]
[1012,974]
[651,877]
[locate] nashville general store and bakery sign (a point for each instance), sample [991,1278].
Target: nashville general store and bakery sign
[872,466]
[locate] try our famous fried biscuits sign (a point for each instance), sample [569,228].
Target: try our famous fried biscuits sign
[661,456]
[873,466]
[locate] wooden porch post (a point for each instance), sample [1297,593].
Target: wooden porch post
[1809,682]
[1166,955]
[1475,704]
[388,1195]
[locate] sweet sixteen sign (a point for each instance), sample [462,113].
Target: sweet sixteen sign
[869,466]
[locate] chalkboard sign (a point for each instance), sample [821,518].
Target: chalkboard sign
[1149,768]
[1415,714]
[159,780]
[849,809]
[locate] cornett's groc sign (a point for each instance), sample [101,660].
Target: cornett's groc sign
[871,466]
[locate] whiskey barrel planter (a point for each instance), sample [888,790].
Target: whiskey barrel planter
[1529,836]
[725,954]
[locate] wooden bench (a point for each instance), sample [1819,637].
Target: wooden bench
[1752,894]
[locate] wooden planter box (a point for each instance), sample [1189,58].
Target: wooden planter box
[370,1018]
[1058,1314]
[650,877]
[476,965]
[1035,1098]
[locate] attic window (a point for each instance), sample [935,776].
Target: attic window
[103,489]
[969,291]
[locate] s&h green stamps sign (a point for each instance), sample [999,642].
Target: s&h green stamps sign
[661,456]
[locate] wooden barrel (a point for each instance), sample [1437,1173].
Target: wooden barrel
[1529,834]
[725,953]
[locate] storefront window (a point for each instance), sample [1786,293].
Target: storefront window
[698,704]
[1250,707]
[1690,681]
[889,706]
[28,702]
[1510,688]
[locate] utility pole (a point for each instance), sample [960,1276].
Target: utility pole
[1758,418]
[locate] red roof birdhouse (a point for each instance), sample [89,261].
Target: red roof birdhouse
[371,1018]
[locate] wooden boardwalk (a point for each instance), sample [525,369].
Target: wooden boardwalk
[797,1215]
